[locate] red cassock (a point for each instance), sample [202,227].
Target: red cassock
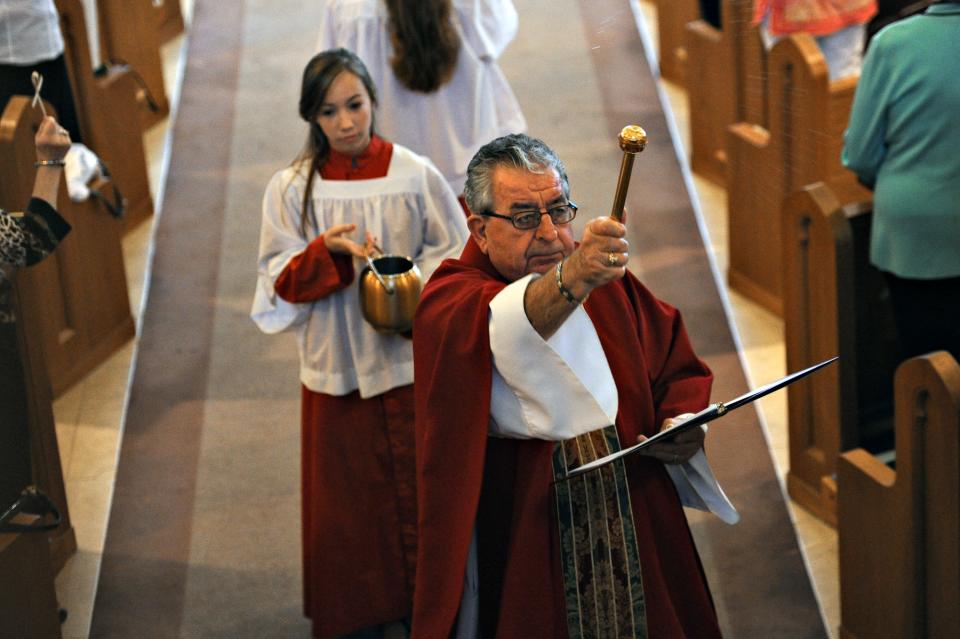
[357,464]
[503,486]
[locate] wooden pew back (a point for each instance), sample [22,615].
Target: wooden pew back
[108,112]
[129,32]
[899,530]
[807,116]
[78,296]
[836,303]
[47,337]
[169,19]
[28,601]
[672,18]
[726,71]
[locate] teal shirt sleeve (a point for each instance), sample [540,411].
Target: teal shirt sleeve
[865,147]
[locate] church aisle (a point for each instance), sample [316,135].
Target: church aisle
[204,537]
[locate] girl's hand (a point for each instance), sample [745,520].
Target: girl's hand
[336,240]
[370,245]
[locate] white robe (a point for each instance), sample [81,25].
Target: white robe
[411,210]
[449,125]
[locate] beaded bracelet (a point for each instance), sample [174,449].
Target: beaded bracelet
[563,289]
[60,162]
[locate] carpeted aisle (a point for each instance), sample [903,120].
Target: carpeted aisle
[203,539]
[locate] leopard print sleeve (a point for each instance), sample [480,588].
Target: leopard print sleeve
[26,239]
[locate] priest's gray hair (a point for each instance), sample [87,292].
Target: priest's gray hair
[516,150]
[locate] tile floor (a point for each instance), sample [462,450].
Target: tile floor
[90,415]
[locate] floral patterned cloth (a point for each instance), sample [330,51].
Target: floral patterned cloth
[25,239]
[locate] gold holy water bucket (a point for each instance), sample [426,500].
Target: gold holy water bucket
[390,288]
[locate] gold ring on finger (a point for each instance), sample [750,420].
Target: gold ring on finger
[612,259]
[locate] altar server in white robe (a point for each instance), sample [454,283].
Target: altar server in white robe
[349,189]
[435,64]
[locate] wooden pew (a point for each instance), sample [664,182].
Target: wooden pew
[807,117]
[108,112]
[836,303]
[78,296]
[129,35]
[17,153]
[28,602]
[899,530]
[47,473]
[169,19]
[725,71]
[672,18]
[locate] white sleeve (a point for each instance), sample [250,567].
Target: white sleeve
[279,242]
[488,26]
[568,393]
[444,223]
[698,487]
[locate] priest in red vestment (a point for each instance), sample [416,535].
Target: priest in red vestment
[521,377]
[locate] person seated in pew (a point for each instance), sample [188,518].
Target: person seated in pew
[838,26]
[322,216]
[25,239]
[435,65]
[28,237]
[30,40]
[902,141]
[516,371]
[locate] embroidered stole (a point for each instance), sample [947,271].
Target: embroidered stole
[603,586]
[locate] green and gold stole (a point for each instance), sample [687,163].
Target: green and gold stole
[598,543]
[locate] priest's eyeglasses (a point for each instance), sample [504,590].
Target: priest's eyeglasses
[526,220]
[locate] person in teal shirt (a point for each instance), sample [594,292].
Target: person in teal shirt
[903,141]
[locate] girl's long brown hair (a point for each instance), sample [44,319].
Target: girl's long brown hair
[318,75]
[425,43]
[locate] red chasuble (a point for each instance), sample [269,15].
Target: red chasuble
[503,486]
[357,463]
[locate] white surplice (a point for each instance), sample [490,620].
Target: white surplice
[475,106]
[413,212]
[570,391]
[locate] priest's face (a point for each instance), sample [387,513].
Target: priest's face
[346,114]
[515,252]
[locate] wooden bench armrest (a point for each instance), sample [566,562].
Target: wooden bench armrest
[859,467]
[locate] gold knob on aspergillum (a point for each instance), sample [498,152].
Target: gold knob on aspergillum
[632,139]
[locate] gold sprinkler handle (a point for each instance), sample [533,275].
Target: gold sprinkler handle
[632,140]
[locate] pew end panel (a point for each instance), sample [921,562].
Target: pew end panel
[78,295]
[109,115]
[751,236]
[835,303]
[711,96]
[672,17]
[28,601]
[129,36]
[725,72]
[46,337]
[899,530]
[812,232]
[805,136]
[169,19]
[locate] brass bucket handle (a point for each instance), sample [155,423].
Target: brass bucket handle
[388,286]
